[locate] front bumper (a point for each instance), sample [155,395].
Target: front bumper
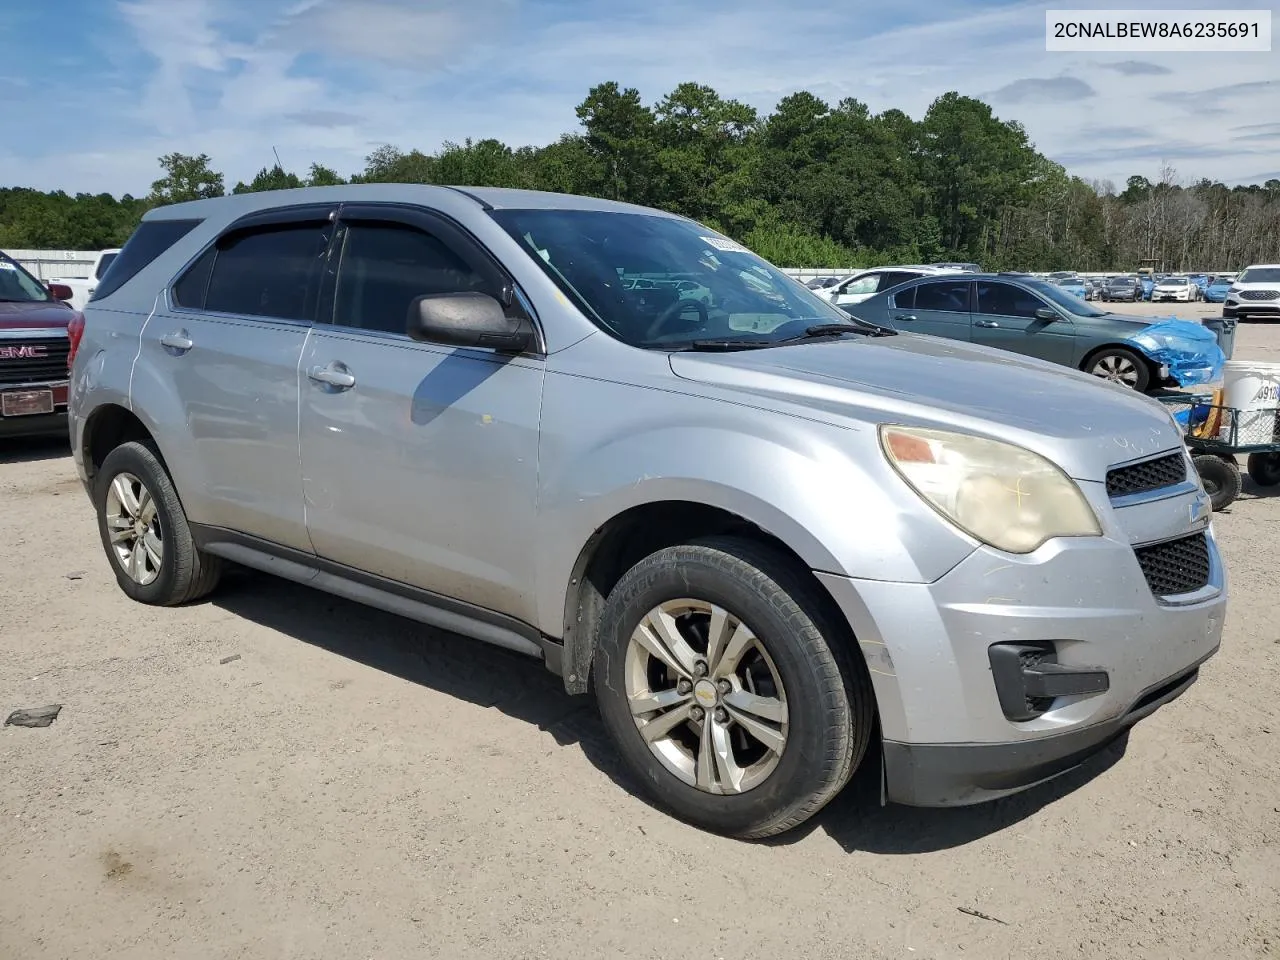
[947,740]
[1259,308]
[947,775]
[39,424]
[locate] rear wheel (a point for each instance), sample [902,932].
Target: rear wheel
[1221,479]
[1120,365]
[727,689]
[145,533]
[1264,469]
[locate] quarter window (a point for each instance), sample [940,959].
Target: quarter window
[263,272]
[152,238]
[948,295]
[386,266]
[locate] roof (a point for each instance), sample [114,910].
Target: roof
[498,198]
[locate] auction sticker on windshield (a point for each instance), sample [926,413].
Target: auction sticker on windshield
[724,245]
[1206,31]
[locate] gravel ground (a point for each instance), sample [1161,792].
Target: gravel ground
[354,785]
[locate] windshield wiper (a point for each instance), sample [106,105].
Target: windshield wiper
[860,328]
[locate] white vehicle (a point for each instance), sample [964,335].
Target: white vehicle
[861,286]
[1180,289]
[1255,293]
[82,287]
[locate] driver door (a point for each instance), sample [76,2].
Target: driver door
[1006,317]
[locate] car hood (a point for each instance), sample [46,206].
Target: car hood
[35,316]
[1083,424]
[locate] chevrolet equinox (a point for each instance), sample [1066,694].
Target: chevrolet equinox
[774,542]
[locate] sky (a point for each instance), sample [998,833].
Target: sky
[94,91]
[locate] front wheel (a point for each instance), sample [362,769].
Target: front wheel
[1120,365]
[727,689]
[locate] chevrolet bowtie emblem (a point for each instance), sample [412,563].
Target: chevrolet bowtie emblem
[1200,509]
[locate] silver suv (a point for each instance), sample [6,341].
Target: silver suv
[777,543]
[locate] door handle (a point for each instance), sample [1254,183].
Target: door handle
[985,323]
[332,376]
[905,316]
[177,341]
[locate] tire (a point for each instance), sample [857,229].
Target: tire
[1221,479]
[133,483]
[817,686]
[1264,469]
[1120,365]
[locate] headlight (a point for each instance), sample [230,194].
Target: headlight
[1003,495]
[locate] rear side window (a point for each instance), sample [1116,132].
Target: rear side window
[894,278]
[152,238]
[948,295]
[264,272]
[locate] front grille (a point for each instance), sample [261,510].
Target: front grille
[1176,566]
[16,367]
[1260,294]
[1149,475]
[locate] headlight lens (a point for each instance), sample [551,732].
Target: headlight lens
[1003,495]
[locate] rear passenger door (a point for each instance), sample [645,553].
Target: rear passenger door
[227,344]
[420,461]
[939,308]
[1006,318]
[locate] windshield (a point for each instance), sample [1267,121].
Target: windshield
[1123,281]
[1067,301]
[663,283]
[1069,282]
[1260,275]
[18,286]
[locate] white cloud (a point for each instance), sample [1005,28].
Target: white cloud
[326,80]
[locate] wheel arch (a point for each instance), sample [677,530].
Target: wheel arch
[642,529]
[106,428]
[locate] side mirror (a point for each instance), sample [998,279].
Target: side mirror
[467,320]
[1047,313]
[60,291]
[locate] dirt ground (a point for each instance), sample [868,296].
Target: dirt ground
[356,786]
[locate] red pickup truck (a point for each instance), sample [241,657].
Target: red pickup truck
[35,330]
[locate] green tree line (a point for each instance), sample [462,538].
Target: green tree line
[810,184]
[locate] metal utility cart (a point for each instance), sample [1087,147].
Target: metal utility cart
[1217,436]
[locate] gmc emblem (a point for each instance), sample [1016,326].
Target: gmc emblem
[24,352]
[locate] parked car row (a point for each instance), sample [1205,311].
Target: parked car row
[479,414]
[1030,316]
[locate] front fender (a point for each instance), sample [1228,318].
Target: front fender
[824,491]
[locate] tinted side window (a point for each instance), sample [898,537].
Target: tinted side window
[1007,300]
[895,277]
[904,298]
[268,271]
[385,266]
[950,295]
[190,289]
[151,239]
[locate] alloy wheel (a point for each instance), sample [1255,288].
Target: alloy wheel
[705,696]
[133,523]
[1117,369]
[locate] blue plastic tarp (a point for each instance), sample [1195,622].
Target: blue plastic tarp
[1188,349]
